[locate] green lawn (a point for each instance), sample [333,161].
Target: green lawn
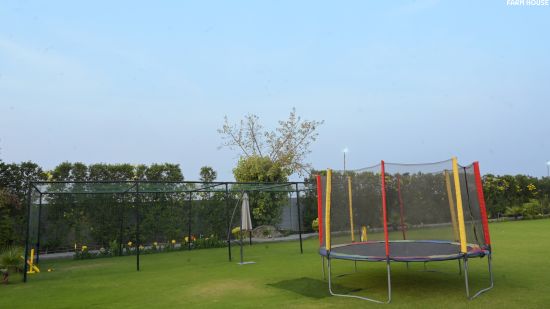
[283,277]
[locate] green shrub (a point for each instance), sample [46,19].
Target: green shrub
[514,211]
[11,258]
[532,209]
[236,232]
[114,248]
[208,242]
[315,225]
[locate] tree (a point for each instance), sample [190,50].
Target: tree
[14,181]
[259,169]
[9,206]
[208,174]
[266,206]
[287,145]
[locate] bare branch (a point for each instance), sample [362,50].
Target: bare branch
[288,144]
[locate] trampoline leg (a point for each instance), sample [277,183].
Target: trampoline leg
[407,265]
[355,261]
[425,266]
[389,281]
[490,278]
[323,266]
[355,296]
[466,276]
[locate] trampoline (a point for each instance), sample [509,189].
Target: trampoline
[403,251]
[403,213]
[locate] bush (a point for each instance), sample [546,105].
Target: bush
[11,258]
[514,211]
[236,232]
[208,242]
[315,225]
[115,248]
[532,209]
[83,254]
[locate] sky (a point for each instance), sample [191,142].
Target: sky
[403,81]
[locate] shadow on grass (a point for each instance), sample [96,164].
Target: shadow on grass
[308,287]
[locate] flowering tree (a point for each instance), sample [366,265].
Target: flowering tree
[287,146]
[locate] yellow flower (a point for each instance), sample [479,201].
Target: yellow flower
[129,243]
[141,247]
[186,239]
[84,248]
[173,241]
[155,244]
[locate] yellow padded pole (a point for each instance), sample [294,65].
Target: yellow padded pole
[460,211]
[451,205]
[364,234]
[350,202]
[327,209]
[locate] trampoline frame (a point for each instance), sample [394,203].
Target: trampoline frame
[463,267]
[458,225]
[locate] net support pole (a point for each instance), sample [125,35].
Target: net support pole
[121,228]
[299,218]
[189,221]
[229,223]
[401,208]
[350,203]
[327,210]
[384,208]
[460,210]
[241,234]
[452,208]
[38,231]
[138,202]
[320,210]
[481,201]
[29,203]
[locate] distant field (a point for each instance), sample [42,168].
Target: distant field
[282,277]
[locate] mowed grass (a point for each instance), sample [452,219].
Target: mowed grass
[282,277]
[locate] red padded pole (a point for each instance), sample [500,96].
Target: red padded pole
[481,200]
[384,211]
[320,209]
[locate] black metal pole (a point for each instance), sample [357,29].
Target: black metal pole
[299,218]
[25,267]
[138,200]
[229,224]
[121,219]
[241,232]
[189,221]
[38,231]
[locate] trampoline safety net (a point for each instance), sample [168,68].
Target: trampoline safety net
[391,203]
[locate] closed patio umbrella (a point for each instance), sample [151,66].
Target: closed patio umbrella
[246,223]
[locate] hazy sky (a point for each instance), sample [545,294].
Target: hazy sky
[403,81]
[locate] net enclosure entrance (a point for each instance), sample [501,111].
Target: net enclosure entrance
[403,213]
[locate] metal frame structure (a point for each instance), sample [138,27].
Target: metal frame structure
[138,188]
[459,227]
